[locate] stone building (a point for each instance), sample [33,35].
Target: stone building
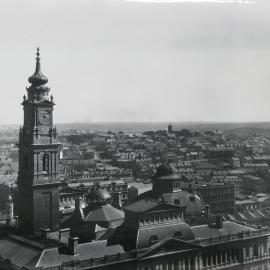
[219,196]
[167,188]
[149,221]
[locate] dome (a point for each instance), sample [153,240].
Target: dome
[98,194]
[192,202]
[164,170]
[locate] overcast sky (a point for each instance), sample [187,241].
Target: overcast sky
[136,60]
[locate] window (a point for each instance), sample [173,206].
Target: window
[46,163]
[26,162]
[178,234]
[153,239]
[176,201]
[255,251]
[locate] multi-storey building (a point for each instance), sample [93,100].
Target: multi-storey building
[219,196]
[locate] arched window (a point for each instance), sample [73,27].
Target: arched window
[46,163]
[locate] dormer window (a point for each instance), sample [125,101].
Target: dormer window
[153,239]
[176,201]
[178,234]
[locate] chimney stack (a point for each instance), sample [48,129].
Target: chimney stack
[73,245]
[219,222]
[207,210]
[44,233]
[78,209]
[117,202]
[64,234]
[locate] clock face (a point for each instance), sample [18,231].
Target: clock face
[44,117]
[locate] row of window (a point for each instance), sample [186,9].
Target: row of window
[159,219]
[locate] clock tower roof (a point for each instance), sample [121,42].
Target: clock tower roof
[38,78]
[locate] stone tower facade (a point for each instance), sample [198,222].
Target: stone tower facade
[38,179]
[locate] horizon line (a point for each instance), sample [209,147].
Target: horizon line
[151,122]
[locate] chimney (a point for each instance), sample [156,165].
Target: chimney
[78,202]
[16,222]
[9,207]
[44,233]
[78,209]
[64,234]
[190,188]
[8,222]
[207,210]
[219,222]
[117,202]
[73,245]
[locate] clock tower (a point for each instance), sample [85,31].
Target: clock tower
[38,178]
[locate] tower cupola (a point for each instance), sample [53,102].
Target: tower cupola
[38,91]
[38,78]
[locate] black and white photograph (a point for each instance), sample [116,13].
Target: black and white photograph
[135,135]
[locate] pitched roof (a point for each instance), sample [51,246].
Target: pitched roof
[142,205]
[229,227]
[104,213]
[52,257]
[9,250]
[150,205]
[168,244]
[38,256]
[163,231]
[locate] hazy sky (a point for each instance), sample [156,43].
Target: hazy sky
[136,60]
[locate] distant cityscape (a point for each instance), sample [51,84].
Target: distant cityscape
[159,196]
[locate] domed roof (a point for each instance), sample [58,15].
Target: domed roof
[98,194]
[38,78]
[164,170]
[192,202]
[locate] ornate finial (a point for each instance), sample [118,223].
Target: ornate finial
[38,54]
[51,98]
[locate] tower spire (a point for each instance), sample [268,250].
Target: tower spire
[38,78]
